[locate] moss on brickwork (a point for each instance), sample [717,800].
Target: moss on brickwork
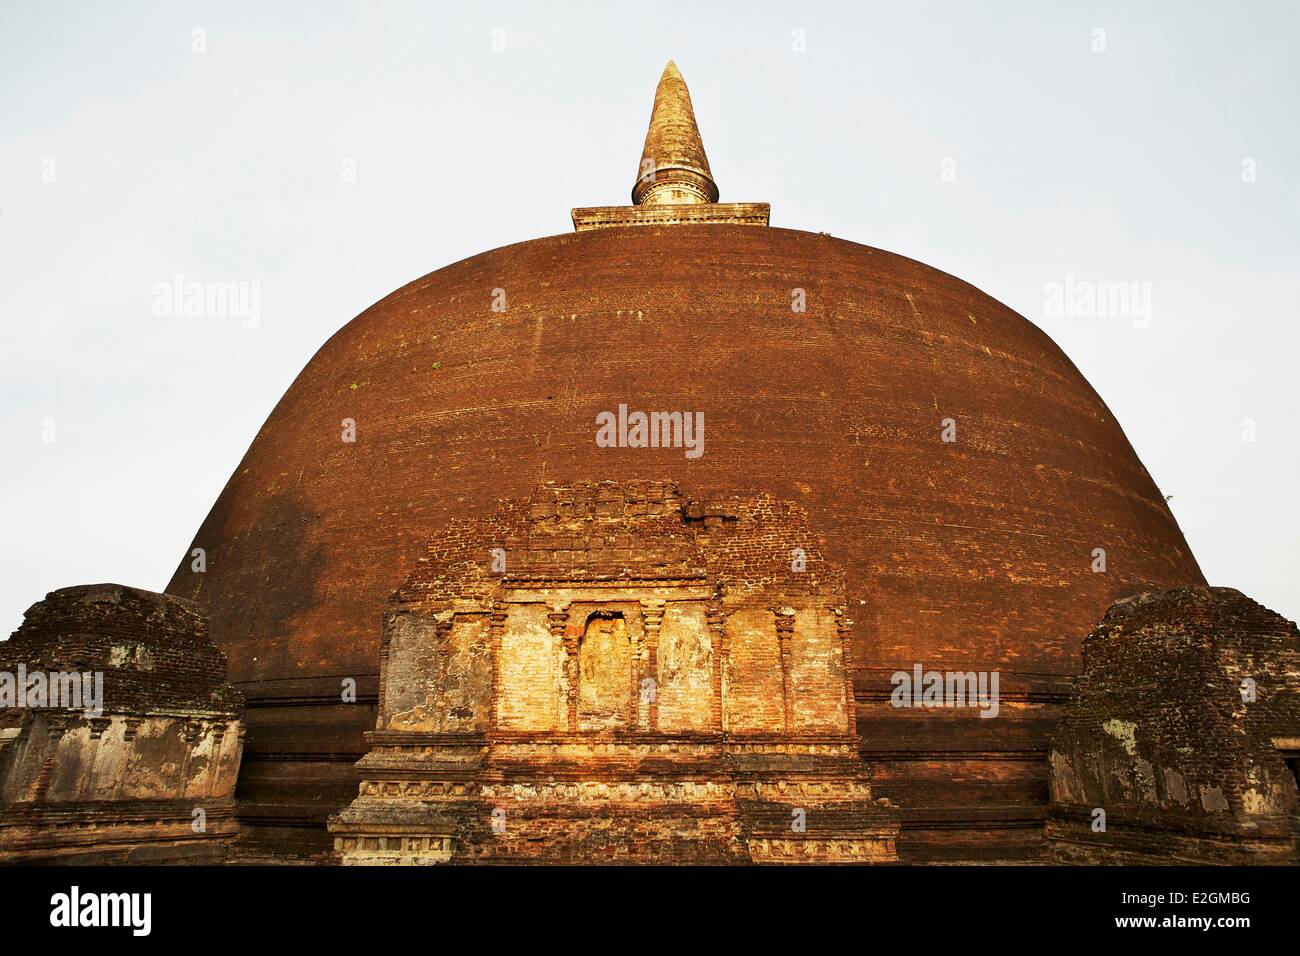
[1180,730]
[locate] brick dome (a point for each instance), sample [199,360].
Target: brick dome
[976,552]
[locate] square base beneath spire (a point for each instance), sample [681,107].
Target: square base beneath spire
[725,213]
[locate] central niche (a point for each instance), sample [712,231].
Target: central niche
[605,673]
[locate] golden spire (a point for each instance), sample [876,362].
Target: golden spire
[674,170]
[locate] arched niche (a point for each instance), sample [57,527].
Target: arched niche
[605,672]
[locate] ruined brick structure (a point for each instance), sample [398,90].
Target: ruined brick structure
[1185,732]
[608,672]
[825,371]
[148,775]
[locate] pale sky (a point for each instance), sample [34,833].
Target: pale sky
[1010,144]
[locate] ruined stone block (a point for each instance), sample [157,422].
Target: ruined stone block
[1180,744]
[140,765]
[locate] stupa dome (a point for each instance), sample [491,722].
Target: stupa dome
[978,550]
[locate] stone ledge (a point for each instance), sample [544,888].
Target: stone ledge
[725,213]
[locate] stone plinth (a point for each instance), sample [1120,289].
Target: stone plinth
[726,213]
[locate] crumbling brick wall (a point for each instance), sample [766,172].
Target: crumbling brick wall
[1174,747]
[777,598]
[146,771]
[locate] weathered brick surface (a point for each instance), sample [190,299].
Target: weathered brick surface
[153,649]
[122,784]
[685,657]
[1161,737]
[614,615]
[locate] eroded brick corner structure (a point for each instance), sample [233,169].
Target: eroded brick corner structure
[119,737]
[613,672]
[1182,741]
